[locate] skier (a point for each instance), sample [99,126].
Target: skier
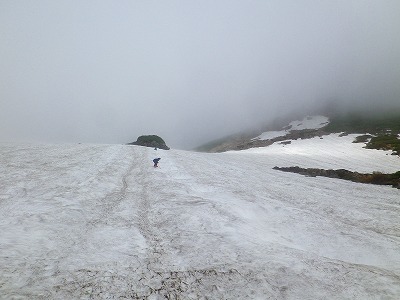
[155,161]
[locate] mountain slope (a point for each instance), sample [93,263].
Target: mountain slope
[383,128]
[98,221]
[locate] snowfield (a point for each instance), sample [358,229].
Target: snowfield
[99,222]
[310,122]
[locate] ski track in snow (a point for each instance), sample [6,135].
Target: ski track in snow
[99,222]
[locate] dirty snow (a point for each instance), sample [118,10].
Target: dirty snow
[99,222]
[310,122]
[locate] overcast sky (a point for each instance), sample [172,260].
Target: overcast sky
[190,71]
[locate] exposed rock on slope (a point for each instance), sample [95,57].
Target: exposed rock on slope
[252,143]
[379,131]
[307,128]
[374,178]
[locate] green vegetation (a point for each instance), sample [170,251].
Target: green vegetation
[395,176]
[385,142]
[365,123]
[153,141]
[383,179]
[143,139]
[385,127]
[362,138]
[371,178]
[383,124]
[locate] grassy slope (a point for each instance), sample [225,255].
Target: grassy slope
[364,123]
[385,127]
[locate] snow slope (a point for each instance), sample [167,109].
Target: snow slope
[329,152]
[99,222]
[310,122]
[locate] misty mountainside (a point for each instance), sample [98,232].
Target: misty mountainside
[83,221]
[377,131]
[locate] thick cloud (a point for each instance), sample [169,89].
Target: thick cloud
[189,71]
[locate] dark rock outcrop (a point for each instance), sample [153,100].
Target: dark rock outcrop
[372,178]
[153,141]
[243,144]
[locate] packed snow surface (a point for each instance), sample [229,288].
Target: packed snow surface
[314,122]
[99,222]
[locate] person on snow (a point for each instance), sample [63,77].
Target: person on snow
[155,161]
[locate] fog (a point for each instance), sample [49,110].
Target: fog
[189,71]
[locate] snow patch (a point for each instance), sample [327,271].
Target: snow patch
[314,122]
[329,152]
[269,135]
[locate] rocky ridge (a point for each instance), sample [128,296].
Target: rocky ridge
[152,141]
[371,178]
[246,143]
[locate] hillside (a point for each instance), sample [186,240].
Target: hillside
[383,131]
[99,222]
[152,141]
